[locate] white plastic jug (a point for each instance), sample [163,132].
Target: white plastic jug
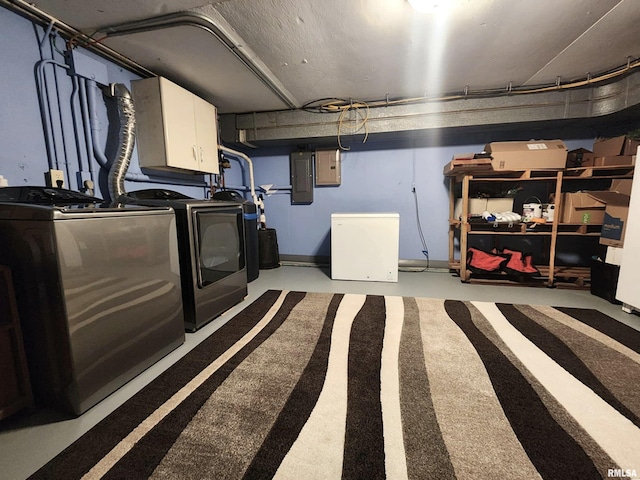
[531,210]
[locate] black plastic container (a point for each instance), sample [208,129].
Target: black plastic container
[269,254]
[604,280]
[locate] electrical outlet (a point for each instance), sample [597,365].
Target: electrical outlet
[55,178]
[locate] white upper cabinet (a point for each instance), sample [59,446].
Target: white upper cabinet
[175,129]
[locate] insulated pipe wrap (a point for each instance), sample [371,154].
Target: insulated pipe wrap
[126,140]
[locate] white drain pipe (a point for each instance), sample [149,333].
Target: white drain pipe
[259,203]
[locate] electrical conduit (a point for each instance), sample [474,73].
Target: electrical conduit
[45,111]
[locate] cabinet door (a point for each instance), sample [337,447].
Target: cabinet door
[179,126]
[207,135]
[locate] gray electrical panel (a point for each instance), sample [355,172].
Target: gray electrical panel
[301,170]
[328,167]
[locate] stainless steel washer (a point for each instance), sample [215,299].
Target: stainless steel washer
[98,292]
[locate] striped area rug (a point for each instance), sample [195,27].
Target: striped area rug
[316,385]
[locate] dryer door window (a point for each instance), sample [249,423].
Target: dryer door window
[220,245]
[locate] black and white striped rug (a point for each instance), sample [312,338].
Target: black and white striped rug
[317,385]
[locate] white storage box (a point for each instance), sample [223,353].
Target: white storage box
[478,206]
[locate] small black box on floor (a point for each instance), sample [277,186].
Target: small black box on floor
[604,280]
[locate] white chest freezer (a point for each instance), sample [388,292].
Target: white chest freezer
[365,246]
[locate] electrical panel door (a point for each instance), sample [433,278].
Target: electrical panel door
[328,167]
[301,168]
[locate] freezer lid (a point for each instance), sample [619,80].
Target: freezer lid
[365,215]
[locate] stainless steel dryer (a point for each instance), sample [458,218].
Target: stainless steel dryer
[98,290]
[212,252]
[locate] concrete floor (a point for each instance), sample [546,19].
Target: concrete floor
[29,440]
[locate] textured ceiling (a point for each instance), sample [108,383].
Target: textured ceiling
[367,49]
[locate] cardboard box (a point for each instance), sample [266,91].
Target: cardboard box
[608,208]
[580,157]
[582,207]
[478,206]
[621,185]
[610,147]
[615,218]
[614,161]
[533,155]
[467,163]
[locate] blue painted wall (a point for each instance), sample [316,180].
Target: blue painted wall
[373,180]
[376,177]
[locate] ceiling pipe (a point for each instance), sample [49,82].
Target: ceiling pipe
[215,27]
[33,13]
[593,105]
[221,32]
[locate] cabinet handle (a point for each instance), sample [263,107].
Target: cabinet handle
[195,153]
[201,155]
